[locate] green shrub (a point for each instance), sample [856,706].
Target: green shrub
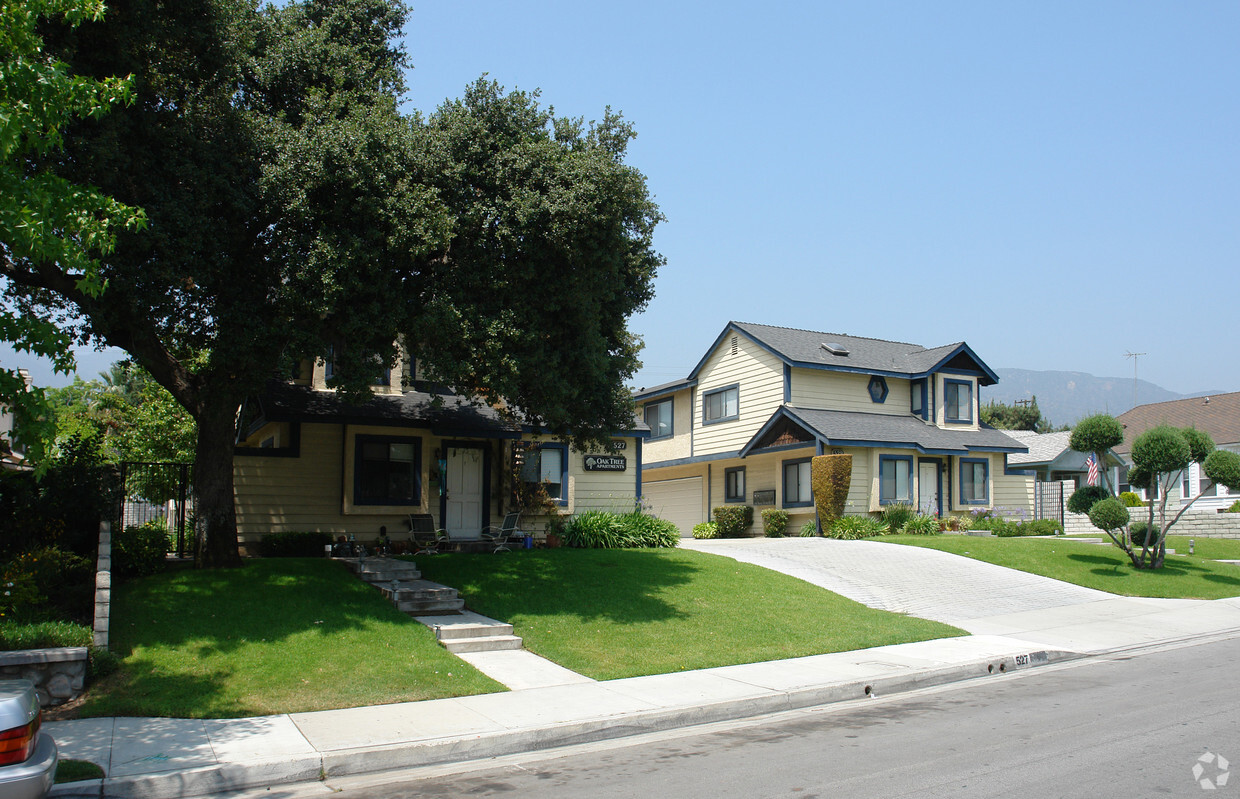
[962,523]
[733,520]
[705,530]
[294,545]
[1223,467]
[851,528]
[1109,514]
[1131,499]
[138,551]
[1137,531]
[774,522]
[810,528]
[1009,529]
[830,478]
[896,516]
[1235,507]
[921,525]
[1084,498]
[600,529]
[100,662]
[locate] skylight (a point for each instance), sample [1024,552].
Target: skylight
[834,348]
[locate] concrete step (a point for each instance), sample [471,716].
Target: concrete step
[490,643]
[448,632]
[431,607]
[415,589]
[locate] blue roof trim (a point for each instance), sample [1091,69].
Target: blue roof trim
[719,456]
[719,340]
[967,350]
[781,412]
[666,388]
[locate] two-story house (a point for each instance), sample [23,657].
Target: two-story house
[307,460]
[742,427]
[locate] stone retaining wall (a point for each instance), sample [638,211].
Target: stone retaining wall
[1203,524]
[58,674]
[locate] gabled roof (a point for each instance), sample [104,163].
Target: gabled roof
[805,349]
[1217,415]
[1051,450]
[665,388]
[857,429]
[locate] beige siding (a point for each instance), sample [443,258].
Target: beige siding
[1012,491]
[699,470]
[842,391]
[940,394]
[613,491]
[305,493]
[679,445]
[760,376]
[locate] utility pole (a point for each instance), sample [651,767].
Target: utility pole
[1134,356]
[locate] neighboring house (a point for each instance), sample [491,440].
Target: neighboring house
[1052,460]
[1218,416]
[742,427]
[308,460]
[12,455]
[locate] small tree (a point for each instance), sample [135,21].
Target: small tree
[1159,457]
[830,478]
[1097,434]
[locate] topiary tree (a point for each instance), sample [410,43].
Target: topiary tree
[1085,497]
[1097,434]
[830,479]
[1159,457]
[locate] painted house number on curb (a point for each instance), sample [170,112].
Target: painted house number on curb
[1033,657]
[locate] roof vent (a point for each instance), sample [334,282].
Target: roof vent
[834,348]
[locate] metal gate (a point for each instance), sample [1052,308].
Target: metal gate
[157,491]
[1048,501]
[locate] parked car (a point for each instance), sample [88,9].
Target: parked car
[27,754]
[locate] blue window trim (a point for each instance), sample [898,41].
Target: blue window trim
[907,460]
[563,448]
[358,441]
[783,484]
[877,389]
[744,489]
[787,384]
[671,411]
[985,500]
[968,384]
[706,395]
[920,387]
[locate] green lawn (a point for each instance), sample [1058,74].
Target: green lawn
[1106,568]
[275,636]
[623,613]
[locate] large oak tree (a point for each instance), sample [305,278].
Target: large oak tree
[295,211]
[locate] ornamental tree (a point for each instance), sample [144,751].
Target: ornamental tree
[295,211]
[1159,456]
[1097,434]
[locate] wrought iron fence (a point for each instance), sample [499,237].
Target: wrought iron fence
[1048,501]
[157,491]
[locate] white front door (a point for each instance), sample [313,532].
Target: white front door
[928,487]
[464,484]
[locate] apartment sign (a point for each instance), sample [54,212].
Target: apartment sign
[606,463]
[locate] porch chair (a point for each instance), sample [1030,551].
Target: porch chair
[425,536]
[504,534]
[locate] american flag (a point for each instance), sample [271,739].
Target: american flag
[1092,463]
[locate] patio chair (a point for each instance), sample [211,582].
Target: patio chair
[425,536]
[504,534]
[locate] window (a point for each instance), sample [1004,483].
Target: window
[659,418]
[974,481]
[721,405]
[734,484]
[797,492]
[958,401]
[878,389]
[387,471]
[895,480]
[917,403]
[548,465]
[1203,483]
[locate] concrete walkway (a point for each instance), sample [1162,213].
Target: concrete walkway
[1036,622]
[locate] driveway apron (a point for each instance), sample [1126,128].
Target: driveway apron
[904,579]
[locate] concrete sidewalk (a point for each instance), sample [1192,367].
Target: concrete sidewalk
[180,758]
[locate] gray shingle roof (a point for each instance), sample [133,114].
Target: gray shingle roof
[1043,447]
[804,347]
[844,428]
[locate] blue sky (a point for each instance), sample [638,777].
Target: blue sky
[1055,183]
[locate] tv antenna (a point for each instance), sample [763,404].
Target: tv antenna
[1134,356]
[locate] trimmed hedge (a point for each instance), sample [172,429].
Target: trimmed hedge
[294,545]
[830,479]
[733,520]
[1084,498]
[774,522]
[138,551]
[705,530]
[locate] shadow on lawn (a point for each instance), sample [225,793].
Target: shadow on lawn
[219,610]
[593,584]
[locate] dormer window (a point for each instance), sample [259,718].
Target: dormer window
[958,401]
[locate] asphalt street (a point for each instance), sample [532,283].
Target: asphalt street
[1129,726]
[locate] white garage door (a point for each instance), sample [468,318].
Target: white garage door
[678,501]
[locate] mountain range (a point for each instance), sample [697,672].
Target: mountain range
[1066,397]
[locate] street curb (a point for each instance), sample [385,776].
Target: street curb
[411,754]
